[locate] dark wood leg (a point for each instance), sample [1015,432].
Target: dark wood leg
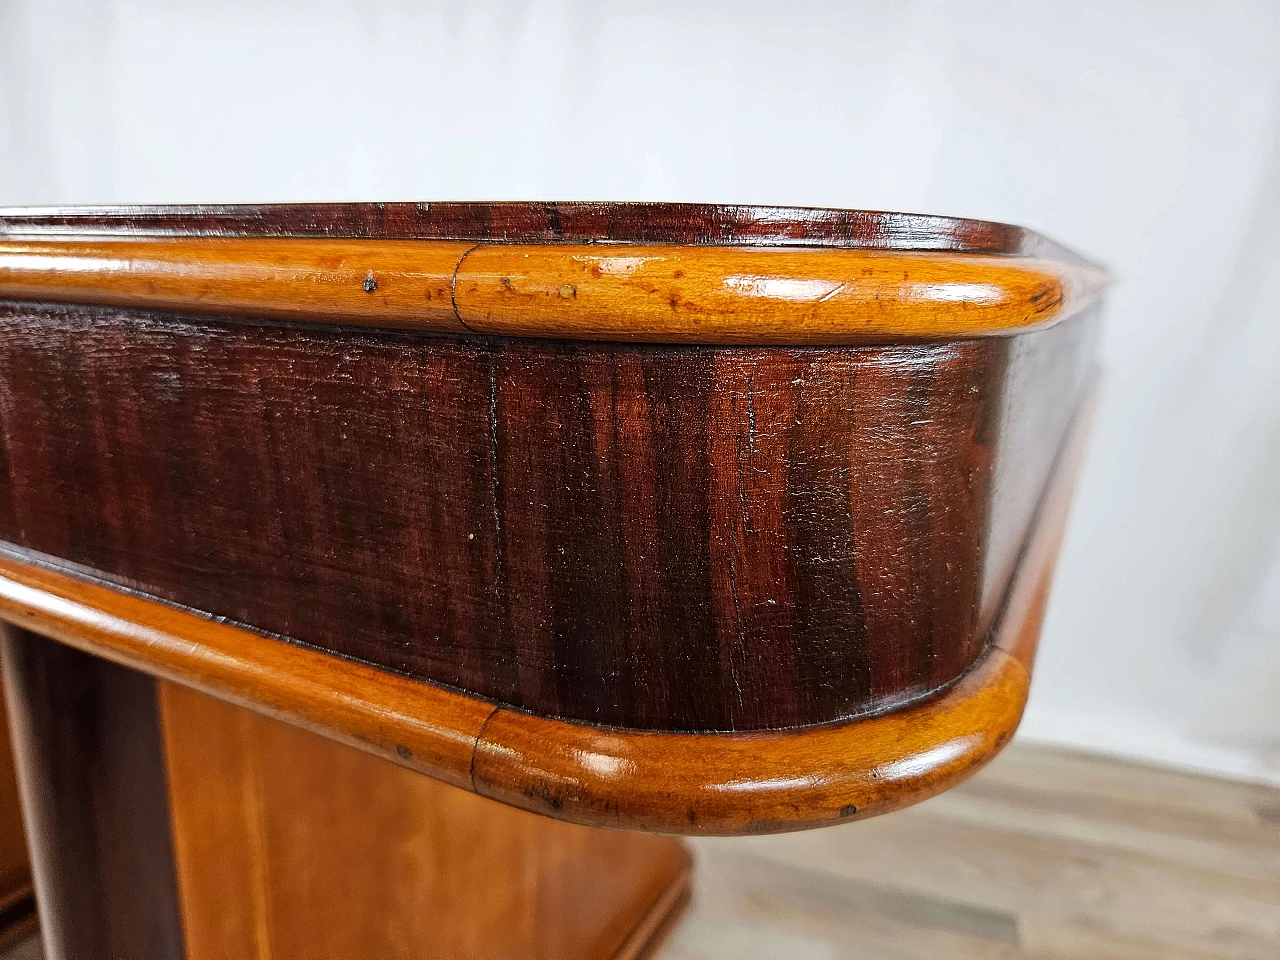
[90,766]
[17,897]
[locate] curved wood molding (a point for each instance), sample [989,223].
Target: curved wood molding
[730,295]
[416,724]
[727,784]
[774,781]
[717,783]
[493,490]
[641,293]
[401,283]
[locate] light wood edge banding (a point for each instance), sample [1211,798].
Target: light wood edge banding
[614,292]
[711,783]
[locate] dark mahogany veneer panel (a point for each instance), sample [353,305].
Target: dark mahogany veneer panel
[697,224]
[666,537]
[661,537]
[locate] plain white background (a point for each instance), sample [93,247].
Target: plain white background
[1146,135]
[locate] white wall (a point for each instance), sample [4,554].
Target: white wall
[1144,134]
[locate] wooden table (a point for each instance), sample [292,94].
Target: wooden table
[666,519]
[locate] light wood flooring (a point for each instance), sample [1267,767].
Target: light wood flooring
[1050,855]
[1043,854]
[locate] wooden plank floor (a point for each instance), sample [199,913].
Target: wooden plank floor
[1050,855]
[1055,856]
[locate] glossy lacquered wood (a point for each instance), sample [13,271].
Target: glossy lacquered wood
[405,283]
[619,292]
[729,784]
[682,519]
[710,783]
[425,727]
[691,224]
[774,781]
[168,824]
[732,295]
[660,537]
[669,537]
[665,537]
[92,776]
[292,846]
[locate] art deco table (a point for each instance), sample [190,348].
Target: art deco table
[676,519]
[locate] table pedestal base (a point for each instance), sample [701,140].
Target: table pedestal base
[165,823]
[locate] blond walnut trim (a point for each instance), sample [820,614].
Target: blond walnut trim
[584,291]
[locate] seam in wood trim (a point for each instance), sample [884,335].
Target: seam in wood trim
[453,285]
[763,782]
[467,742]
[712,783]
[475,746]
[382,283]
[600,291]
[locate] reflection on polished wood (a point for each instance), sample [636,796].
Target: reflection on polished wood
[776,781]
[681,518]
[1043,855]
[689,783]
[668,537]
[693,224]
[623,292]
[292,846]
[285,844]
[652,537]
[664,538]
[308,280]
[727,295]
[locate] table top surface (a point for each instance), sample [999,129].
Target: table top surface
[698,224]
[658,273]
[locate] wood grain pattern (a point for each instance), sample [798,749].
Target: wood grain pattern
[652,293]
[696,224]
[731,295]
[644,537]
[774,781]
[445,734]
[711,783]
[397,283]
[292,846]
[91,770]
[666,537]
[767,782]
[658,537]
[421,726]
[1023,606]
